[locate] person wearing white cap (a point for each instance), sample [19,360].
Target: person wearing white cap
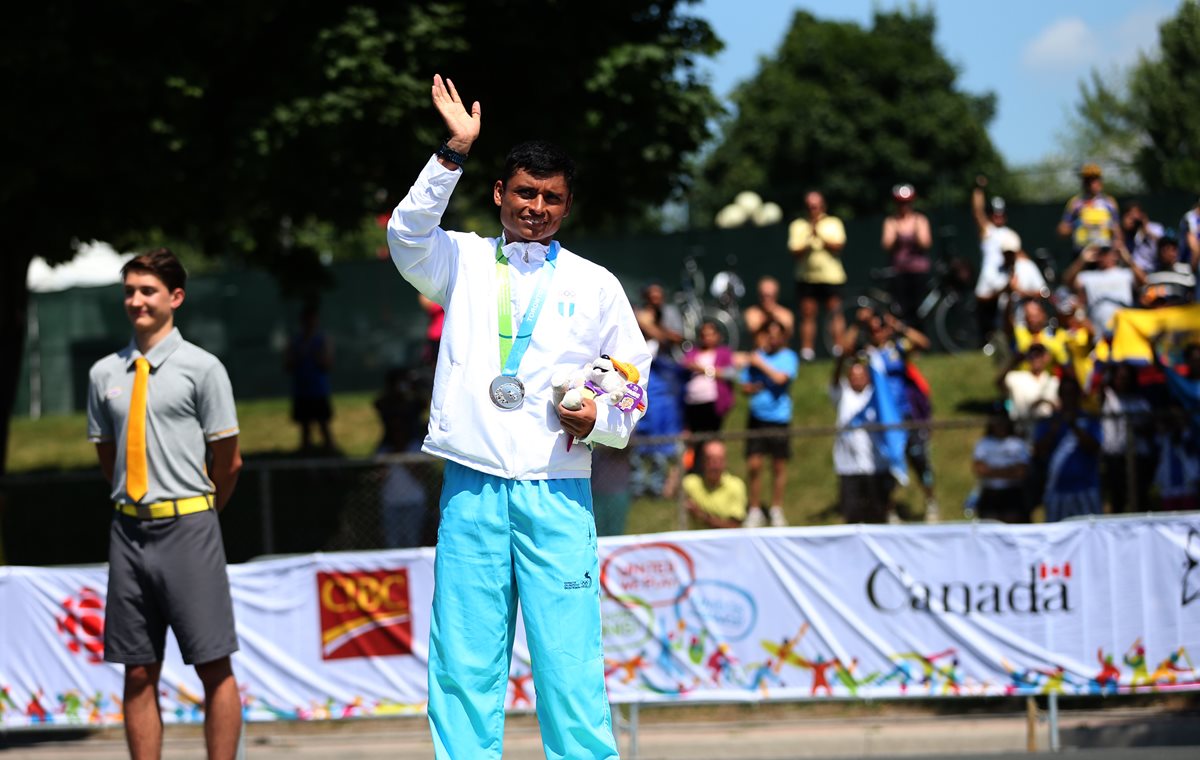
[996,239]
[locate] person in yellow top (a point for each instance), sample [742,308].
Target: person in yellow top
[716,498]
[1037,329]
[1091,218]
[817,243]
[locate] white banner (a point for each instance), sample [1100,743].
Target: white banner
[1089,607]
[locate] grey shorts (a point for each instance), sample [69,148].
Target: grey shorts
[168,572]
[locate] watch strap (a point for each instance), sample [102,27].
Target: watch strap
[451,155]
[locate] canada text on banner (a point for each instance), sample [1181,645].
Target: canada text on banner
[1094,607]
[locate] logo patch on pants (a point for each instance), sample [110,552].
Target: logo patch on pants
[585,583]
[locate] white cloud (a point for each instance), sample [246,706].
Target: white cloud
[1136,33]
[1066,46]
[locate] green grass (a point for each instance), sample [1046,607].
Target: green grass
[59,442]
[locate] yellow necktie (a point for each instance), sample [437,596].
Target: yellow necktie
[136,480]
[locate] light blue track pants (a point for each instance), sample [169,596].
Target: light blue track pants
[501,539]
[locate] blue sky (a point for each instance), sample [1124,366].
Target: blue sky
[1030,53]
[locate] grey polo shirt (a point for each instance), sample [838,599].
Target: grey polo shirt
[189,402]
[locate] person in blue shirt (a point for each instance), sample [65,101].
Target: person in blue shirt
[1068,446]
[767,380]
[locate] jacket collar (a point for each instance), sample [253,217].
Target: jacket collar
[530,252]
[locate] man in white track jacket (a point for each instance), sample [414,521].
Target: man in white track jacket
[516,501]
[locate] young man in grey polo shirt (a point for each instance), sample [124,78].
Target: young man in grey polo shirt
[161,414]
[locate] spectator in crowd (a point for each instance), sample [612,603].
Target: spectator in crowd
[1189,235]
[714,496]
[768,308]
[433,331]
[1034,329]
[890,347]
[661,322]
[403,499]
[864,482]
[1091,218]
[309,359]
[1031,393]
[995,238]
[611,476]
[1141,236]
[907,239]
[817,243]
[656,466]
[1180,381]
[1169,282]
[1067,444]
[1126,411]
[1108,286]
[1177,470]
[1025,281]
[767,380]
[708,394]
[1001,464]
[1076,335]
[1019,281]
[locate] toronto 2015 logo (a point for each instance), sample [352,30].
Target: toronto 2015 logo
[364,614]
[81,624]
[1044,590]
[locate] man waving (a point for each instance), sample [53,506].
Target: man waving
[516,500]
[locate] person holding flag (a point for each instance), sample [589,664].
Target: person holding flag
[864,481]
[885,401]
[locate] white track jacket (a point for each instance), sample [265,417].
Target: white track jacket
[586,314]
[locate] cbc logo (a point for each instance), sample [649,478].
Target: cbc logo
[364,613]
[365,593]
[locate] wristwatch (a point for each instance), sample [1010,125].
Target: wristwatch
[451,155]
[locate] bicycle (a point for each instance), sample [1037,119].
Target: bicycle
[726,287]
[948,307]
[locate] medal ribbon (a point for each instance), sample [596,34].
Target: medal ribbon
[512,349]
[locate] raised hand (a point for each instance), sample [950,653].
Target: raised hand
[463,126]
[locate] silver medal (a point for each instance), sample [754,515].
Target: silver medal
[507,392]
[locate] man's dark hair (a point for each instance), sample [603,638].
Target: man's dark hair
[1037,349]
[162,264]
[541,159]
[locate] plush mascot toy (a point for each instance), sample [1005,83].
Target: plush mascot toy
[607,381]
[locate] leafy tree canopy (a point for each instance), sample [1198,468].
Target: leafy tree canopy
[214,123]
[852,111]
[1149,113]
[253,129]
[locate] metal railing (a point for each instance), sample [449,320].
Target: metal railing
[298,505]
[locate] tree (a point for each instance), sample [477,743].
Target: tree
[1150,111]
[851,111]
[233,127]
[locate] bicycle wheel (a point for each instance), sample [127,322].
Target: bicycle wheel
[954,320]
[726,325]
